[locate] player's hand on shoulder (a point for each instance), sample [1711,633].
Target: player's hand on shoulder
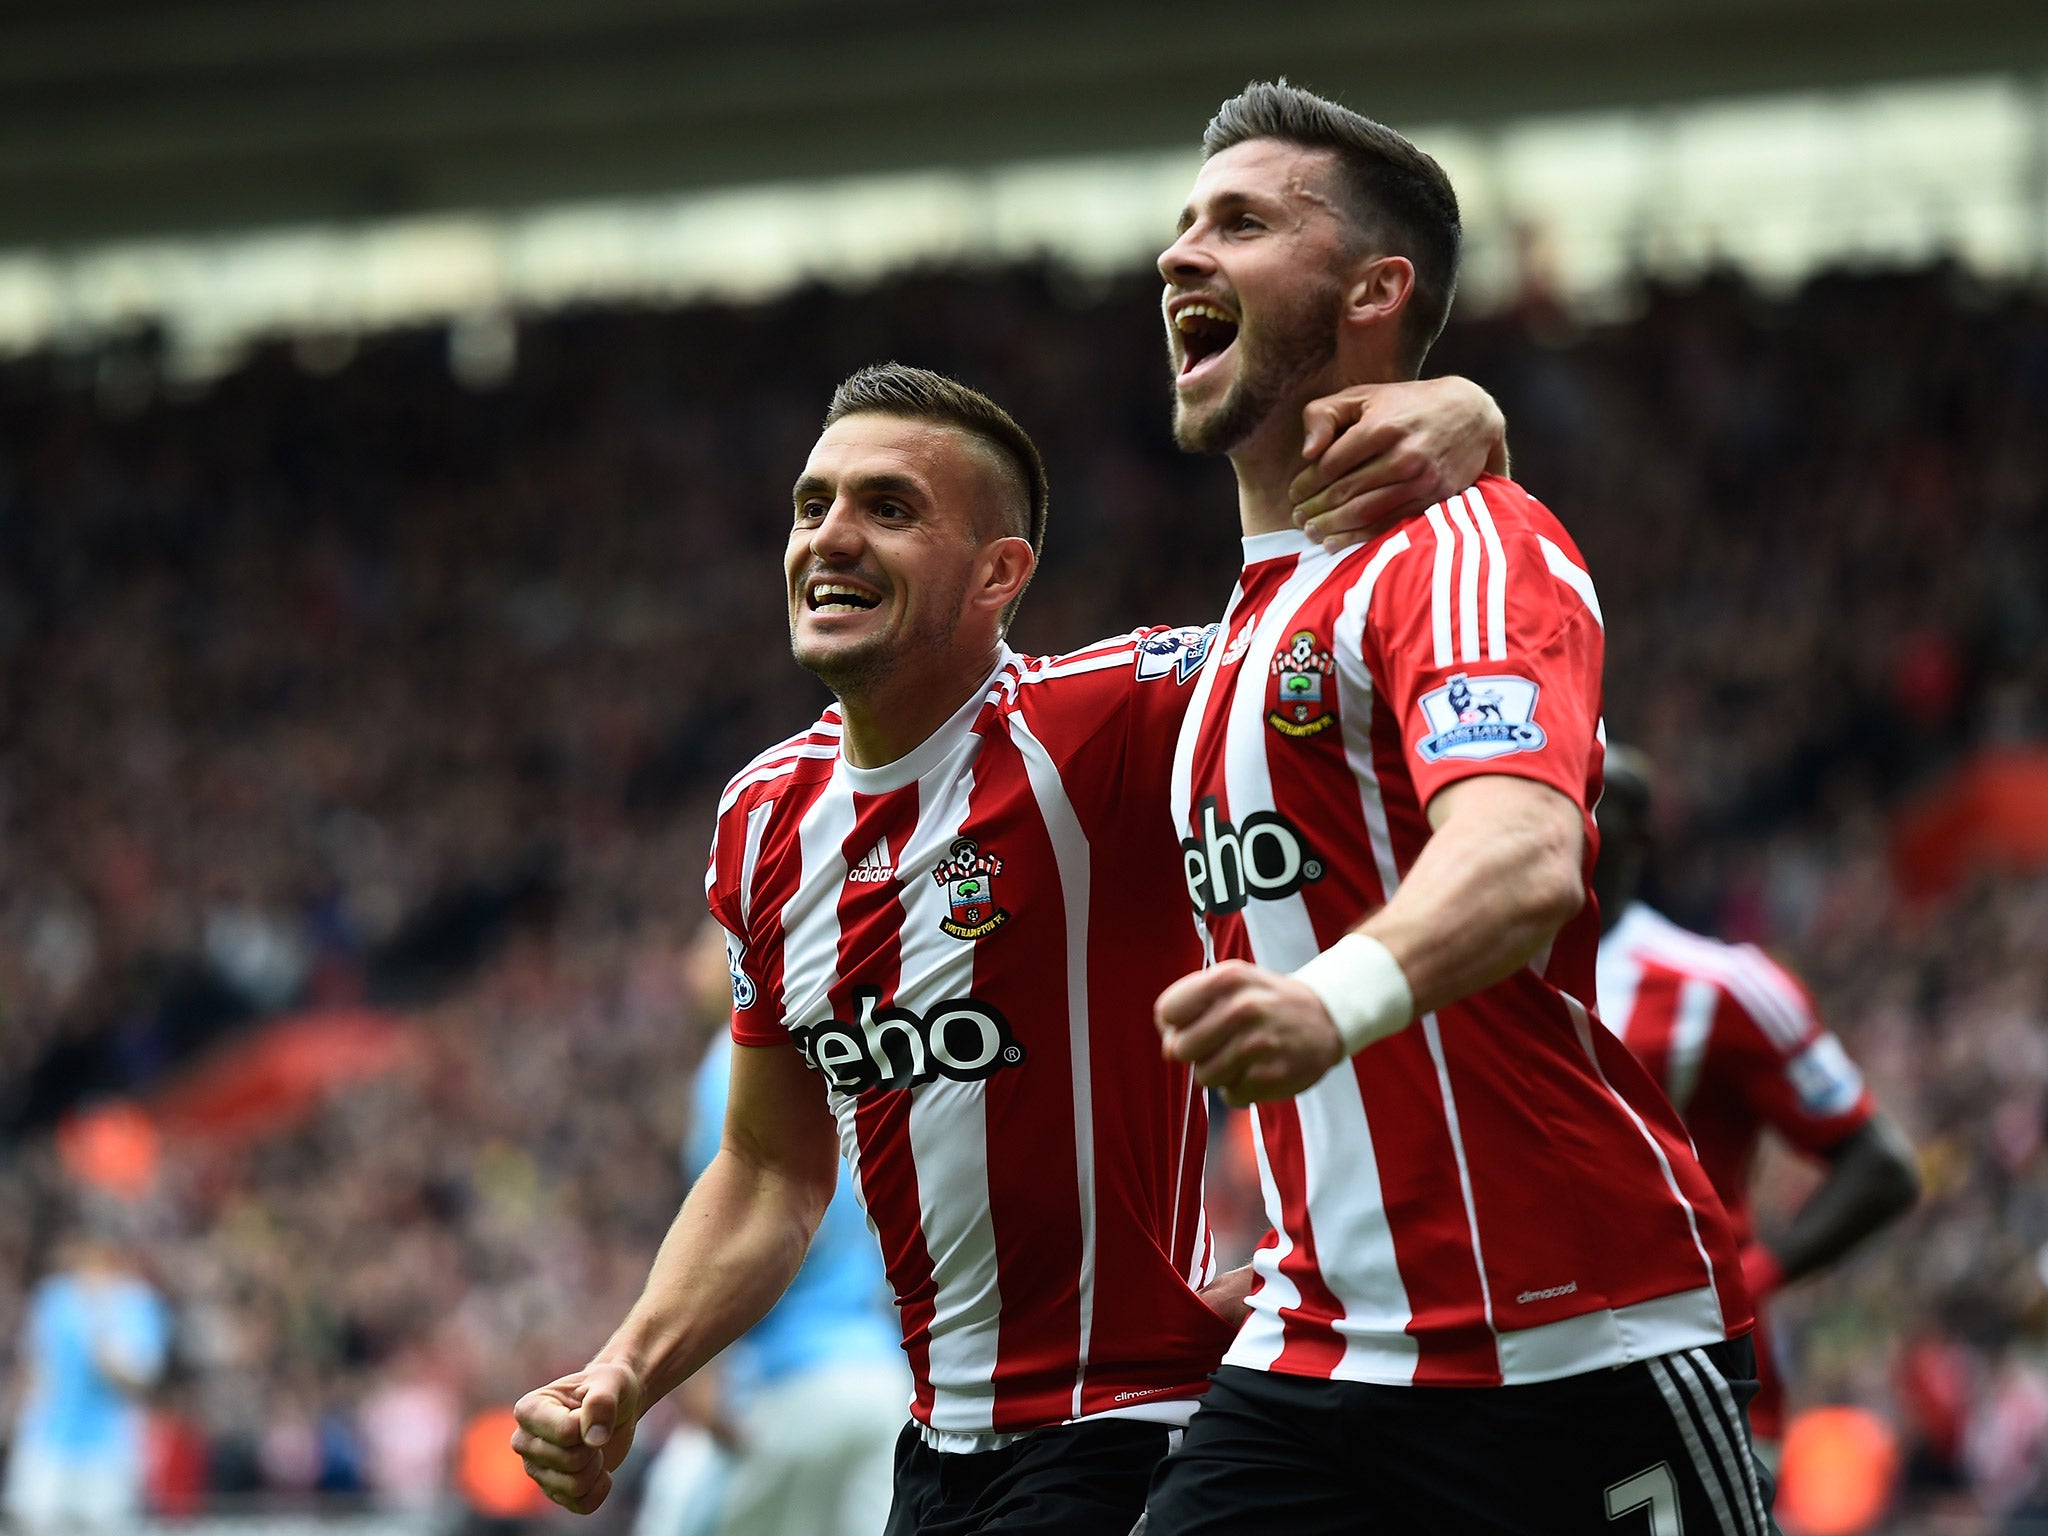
[1376,453]
[575,1432]
[1252,1034]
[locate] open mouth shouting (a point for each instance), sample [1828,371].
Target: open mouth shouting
[1203,331]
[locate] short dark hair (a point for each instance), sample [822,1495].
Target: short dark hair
[918,394]
[1400,198]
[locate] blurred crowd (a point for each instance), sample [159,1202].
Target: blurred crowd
[336,682]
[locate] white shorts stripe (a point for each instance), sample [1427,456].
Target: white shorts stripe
[1686,1373]
[1702,1465]
[1738,1431]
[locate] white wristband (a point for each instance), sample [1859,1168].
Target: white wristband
[1361,983]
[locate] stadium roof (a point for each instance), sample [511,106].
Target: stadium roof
[123,118]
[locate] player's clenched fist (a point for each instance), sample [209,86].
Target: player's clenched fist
[1253,1034]
[573,1433]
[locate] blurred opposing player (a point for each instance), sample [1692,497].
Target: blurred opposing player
[95,1339]
[953,899]
[1501,1295]
[1732,1037]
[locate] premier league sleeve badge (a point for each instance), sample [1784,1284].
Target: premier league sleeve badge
[1476,718]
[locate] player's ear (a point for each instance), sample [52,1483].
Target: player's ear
[1007,564]
[1379,288]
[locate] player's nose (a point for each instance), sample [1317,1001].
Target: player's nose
[838,533]
[1186,258]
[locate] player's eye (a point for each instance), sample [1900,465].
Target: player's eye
[809,511]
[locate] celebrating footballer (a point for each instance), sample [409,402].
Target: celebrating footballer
[1500,1294]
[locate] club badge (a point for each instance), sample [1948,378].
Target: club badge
[1300,674]
[969,879]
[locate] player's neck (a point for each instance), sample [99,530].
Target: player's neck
[1269,458]
[1266,464]
[895,715]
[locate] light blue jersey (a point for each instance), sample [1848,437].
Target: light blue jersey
[837,1310]
[73,1411]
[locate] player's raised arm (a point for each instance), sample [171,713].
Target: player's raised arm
[1376,453]
[731,1251]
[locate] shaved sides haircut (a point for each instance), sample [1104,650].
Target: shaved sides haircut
[918,394]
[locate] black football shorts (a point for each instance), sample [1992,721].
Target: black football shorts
[1086,1479]
[1649,1449]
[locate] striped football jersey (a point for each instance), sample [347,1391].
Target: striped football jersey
[1732,1037]
[965,945]
[1498,1193]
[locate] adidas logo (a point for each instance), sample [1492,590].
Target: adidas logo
[874,867]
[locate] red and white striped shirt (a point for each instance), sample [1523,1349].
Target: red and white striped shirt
[967,944]
[1732,1038]
[1498,1193]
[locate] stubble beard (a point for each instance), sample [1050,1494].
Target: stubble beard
[1296,346]
[864,669]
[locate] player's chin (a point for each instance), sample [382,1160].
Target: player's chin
[837,648]
[1198,423]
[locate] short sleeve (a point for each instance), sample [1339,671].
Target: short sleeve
[1791,1073]
[754,1018]
[1485,643]
[1110,715]
[1162,682]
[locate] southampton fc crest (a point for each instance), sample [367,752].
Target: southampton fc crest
[969,878]
[1300,674]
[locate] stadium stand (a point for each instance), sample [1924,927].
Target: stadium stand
[338,688]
